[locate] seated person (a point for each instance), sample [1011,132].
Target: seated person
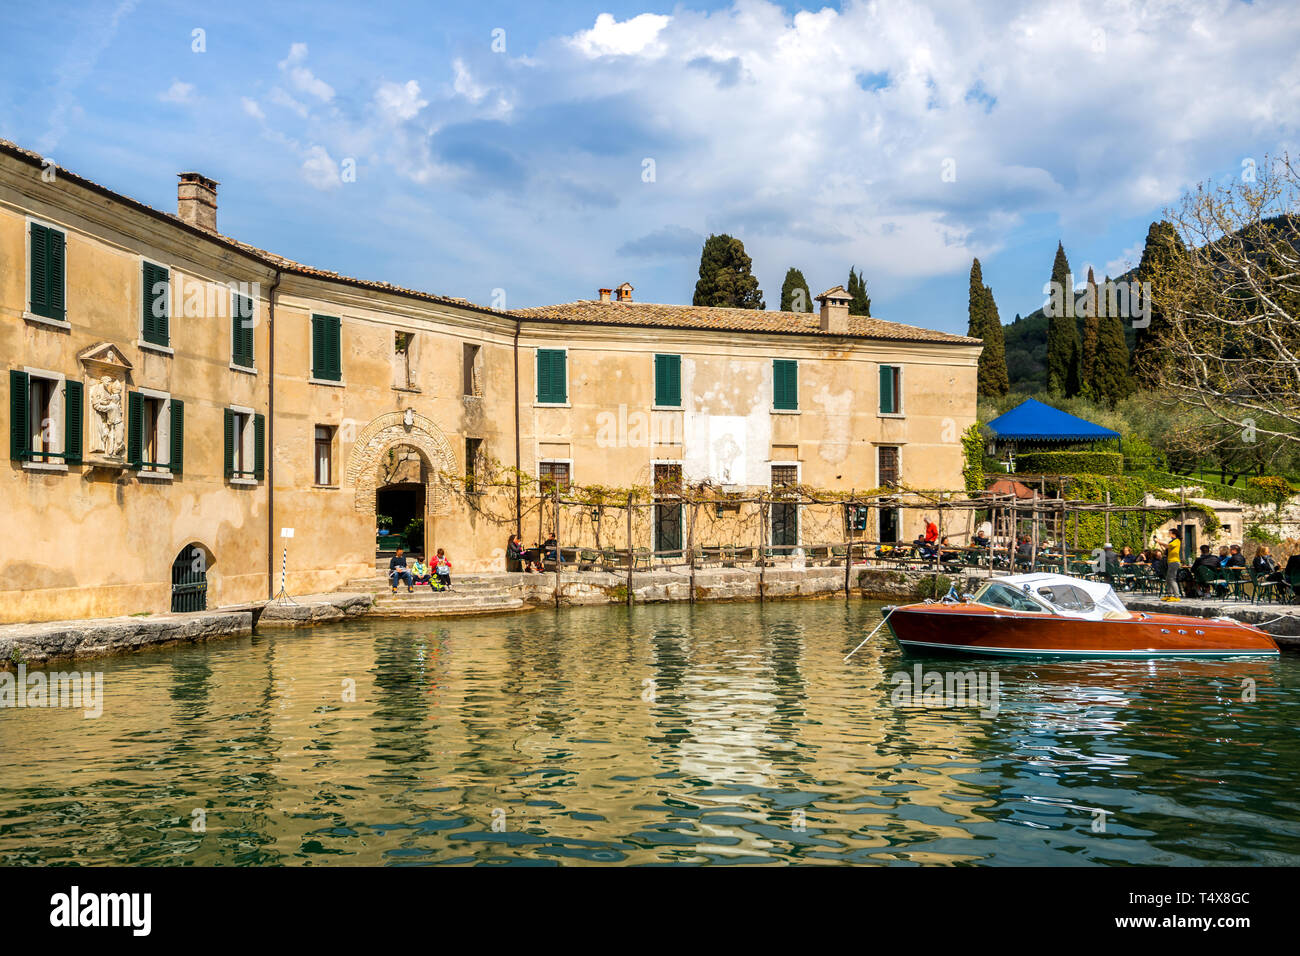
[1235,558]
[946,550]
[550,549]
[1126,556]
[517,559]
[1159,566]
[442,568]
[980,540]
[420,573]
[1207,560]
[397,571]
[1264,566]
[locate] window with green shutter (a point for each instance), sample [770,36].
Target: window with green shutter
[259,447]
[326,348]
[668,381]
[552,378]
[176,462]
[46,255]
[134,429]
[890,397]
[155,319]
[228,430]
[241,330]
[72,421]
[785,385]
[20,438]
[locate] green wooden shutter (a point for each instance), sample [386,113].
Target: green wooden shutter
[326,348]
[39,270]
[785,384]
[134,429]
[229,431]
[73,411]
[259,446]
[241,330]
[20,437]
[177,460]
[154,321]
[55,249]
[888,403]
[336,349]
[551,385]
[668,381]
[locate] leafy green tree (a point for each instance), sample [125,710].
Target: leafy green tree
[857,287]
[795,296]
[726,275]
[1063,349]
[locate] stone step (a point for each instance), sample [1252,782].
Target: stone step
[380,584]
[410,605]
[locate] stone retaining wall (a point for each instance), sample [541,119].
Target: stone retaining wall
[37,644]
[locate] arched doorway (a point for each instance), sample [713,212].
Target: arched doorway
[190,579]
[400,485]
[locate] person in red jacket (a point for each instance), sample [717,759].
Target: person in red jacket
[931,530]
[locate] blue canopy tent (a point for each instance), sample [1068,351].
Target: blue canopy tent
[1033,423]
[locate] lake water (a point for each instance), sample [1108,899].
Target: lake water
[718,734]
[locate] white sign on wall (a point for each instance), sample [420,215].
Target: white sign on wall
[286,532]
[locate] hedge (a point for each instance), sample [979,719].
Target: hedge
[1070,463]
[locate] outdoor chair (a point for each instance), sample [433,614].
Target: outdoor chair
[1267,588]
[641,559]
[587,558]
[1214,579]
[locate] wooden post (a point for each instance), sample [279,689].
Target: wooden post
[762,546]
[1033,546]
[1106,519]
[849,517]
[690,545]
[629,550]
[555,497]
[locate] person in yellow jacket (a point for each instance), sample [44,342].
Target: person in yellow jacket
[1173,557]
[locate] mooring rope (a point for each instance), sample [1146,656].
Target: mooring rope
[871,635]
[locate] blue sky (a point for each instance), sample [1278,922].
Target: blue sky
[903,138]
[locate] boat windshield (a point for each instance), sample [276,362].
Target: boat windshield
[996,594]
[1068,597]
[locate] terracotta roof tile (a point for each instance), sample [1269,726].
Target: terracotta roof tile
[656,315]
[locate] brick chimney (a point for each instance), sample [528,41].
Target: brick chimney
[604,294]
[624,292]
[196,201]
[835,310]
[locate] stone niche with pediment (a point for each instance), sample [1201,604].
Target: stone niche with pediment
[107,372]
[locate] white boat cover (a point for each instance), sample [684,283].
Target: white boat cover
[1055,590]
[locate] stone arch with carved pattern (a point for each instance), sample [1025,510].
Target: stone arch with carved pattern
[389,431]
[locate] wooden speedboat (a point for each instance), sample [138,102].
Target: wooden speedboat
[1051,615]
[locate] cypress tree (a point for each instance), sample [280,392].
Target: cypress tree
[993,379]
[1112,379]
[794,287]
[987,325]
[857,287]
[975,327]
[1162,248]
[726,276]
[1062,332]
[1088,362]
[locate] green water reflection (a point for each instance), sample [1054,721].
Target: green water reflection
[708,735]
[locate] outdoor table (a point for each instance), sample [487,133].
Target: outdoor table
[1236,583]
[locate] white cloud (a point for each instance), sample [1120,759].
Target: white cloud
[302,78]
[178,92]
[463,82]
[320,170]
[398,102]
[252,109]
[610,37]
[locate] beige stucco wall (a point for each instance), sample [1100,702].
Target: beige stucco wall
[90,541]
[96,542]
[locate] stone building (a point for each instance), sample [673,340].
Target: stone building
[177,398]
